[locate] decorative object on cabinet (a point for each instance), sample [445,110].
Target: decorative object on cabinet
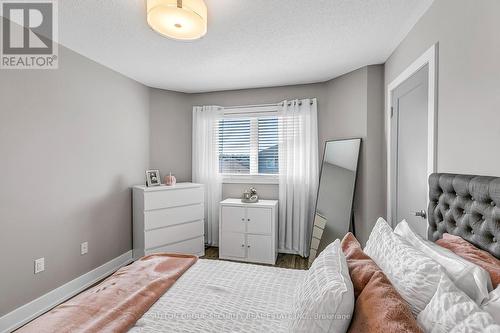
[170,180]
[153,178]
[168,219]
[248,231]
[250,196]
[319,226]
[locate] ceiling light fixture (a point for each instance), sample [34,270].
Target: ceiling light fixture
[178,19]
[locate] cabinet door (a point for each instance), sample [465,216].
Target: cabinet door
[233,219]
[259,249]
[232,245]
[259,220]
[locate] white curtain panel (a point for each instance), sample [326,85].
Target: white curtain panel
[205,166]
[298,174]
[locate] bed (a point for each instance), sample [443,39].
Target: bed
[221,296]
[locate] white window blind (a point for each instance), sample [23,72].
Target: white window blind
[248,145]
[268,145]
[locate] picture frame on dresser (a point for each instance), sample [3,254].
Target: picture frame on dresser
[168,219]
[153,178]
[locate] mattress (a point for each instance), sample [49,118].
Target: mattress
[221,296]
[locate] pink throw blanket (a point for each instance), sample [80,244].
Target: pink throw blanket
[118,302]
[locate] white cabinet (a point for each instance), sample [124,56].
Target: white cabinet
[248,231]
[168,219]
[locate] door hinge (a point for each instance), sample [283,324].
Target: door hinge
[392,111]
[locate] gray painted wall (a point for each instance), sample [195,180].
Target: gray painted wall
[265,191]
[72,142]
[355,110]
[170,133]
[469,86]
[347,118]
[373,155]
[345,106]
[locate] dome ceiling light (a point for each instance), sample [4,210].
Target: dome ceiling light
[178,19]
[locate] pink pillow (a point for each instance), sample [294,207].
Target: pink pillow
[469,252]
[379,307]
[361,266]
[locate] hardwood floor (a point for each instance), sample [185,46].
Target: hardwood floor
[284,260]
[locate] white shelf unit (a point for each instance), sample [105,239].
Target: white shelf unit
[248,231]
[168,219]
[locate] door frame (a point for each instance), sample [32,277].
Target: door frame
[430,58]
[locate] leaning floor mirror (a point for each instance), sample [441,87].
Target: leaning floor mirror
[337,182]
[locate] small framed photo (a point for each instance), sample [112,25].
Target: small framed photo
[153,178]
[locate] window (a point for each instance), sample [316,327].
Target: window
[248,146]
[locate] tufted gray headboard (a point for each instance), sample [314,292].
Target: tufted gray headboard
[467,206]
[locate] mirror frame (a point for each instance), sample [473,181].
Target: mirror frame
[351,219]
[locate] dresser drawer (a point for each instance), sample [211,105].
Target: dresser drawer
[191,246]
[172,198]
[171,216]
[173,234]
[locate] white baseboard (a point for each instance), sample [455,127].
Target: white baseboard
[42,304]
[285,251]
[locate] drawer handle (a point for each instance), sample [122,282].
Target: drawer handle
[242,245]
[248,220]
[248,245]
[243,219]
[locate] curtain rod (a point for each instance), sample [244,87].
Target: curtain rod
[261,105]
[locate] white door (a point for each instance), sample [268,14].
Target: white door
[233,219]
[259,220]
[409,147]
[232,245]
[258,248]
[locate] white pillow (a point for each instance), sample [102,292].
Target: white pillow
[324,301]
[451,310]
[470,278]
[414,275]
[492,304]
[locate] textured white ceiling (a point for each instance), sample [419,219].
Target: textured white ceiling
[250,43]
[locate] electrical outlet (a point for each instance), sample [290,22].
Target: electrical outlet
[84,248]
[39,265]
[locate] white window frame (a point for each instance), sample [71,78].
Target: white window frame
[253,177]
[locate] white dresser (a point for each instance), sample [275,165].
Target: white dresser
[168,219]
[248,231]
